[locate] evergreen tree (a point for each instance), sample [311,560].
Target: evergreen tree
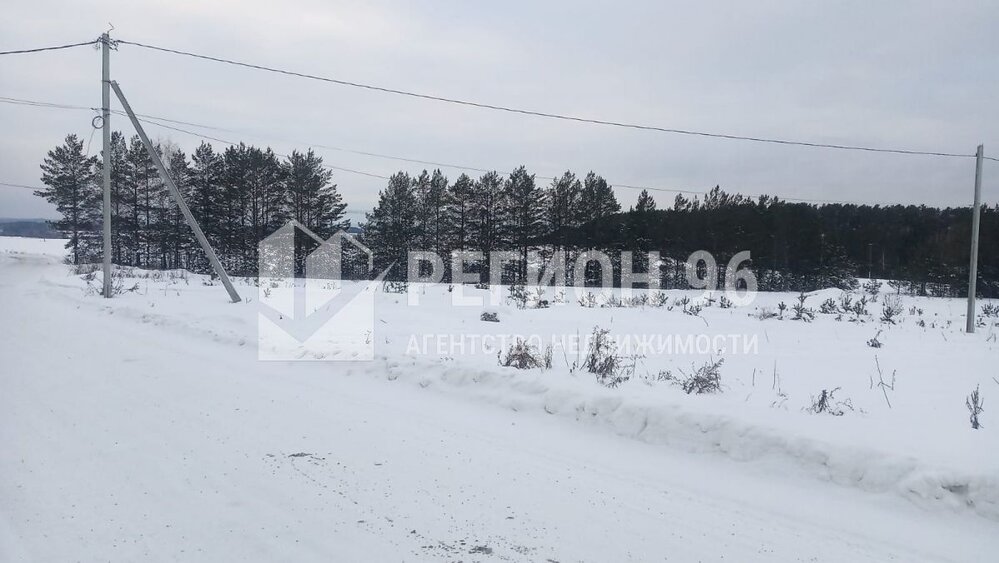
[597,199]
[563,209]
[254,183]
[72,185]
[526,210]
[391,229]
[312,200]
[430,191]
[176,238]
[311,197]
[458,212]
[645,202]
[206,199]
[134,223]
[436,218]
[119,149]
[489,219]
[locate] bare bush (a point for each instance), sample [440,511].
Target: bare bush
[874,342]
[704,379]
[765,313]
[827,403]
[522,355]
[602,360]
[96,287]
[885,387]
[974,404]
[990,310]
[489,316]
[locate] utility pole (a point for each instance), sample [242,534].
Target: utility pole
[172,187]
[975,216]
[106,126]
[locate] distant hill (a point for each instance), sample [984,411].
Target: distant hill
[32,228]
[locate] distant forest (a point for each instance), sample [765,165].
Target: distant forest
[243,193]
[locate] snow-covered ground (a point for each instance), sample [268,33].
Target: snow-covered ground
[145,428]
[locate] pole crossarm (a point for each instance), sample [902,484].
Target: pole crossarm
[155,157]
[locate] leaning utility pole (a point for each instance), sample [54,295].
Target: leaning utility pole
[975,216]
[155,157]
[106,126]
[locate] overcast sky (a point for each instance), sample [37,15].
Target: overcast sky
[915,75]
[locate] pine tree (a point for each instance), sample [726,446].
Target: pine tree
[311,197]
[563,209]
[176,238]
[423,211]
[133,223]
[645,202]
[73,187]
[207,200]
[254,185]
[119,149]
[312,200]
[488,228]
[430,191]
[391,229]
[458,212]
[526,214]
[597,199]
[436,218]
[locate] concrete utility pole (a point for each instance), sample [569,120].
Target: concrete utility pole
[106,126]
[975,216]
[219,270]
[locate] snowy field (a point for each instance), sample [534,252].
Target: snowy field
[145,428]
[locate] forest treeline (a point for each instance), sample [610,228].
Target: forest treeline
[243,193]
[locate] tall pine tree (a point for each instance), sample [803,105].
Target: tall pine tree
[72,185]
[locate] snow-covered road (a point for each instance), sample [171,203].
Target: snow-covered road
[125,441]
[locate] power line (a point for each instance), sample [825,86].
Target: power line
[438,164]
[162,122]
[9,185]
[563,117]
[54,48]
[378,155]
[150,121]
[33,103]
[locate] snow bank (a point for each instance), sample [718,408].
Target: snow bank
[698,432]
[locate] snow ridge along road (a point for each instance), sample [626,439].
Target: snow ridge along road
[130,435]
